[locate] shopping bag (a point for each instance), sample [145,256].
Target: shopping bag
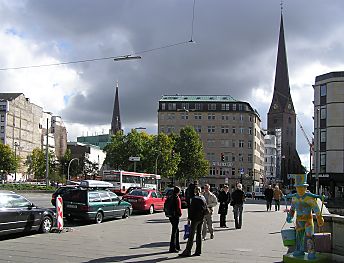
[186,231]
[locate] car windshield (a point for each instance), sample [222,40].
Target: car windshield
[138,192]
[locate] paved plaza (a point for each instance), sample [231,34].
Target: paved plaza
[145,238]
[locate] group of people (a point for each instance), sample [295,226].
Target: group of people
[273,194]
[200,211]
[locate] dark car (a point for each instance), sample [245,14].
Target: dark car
[60,192]
[94,204]
[17,214]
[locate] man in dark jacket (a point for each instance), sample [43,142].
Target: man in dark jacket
[198,208]
[224,199]
[269,193]
[190,192]
[174,219]
[238,198]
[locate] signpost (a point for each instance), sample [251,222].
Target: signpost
[134,159]
[241,174]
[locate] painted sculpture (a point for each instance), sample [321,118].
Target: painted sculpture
[303,203]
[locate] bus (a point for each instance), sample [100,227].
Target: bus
[122,180]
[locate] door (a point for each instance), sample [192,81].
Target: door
[118,207]
[8,215]
[107,206]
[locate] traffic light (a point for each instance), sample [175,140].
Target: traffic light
[222,157]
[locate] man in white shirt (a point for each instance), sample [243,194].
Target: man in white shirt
[211,201]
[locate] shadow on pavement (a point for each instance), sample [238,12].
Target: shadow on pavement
[156,244]
[128,257]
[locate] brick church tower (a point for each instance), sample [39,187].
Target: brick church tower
[282,114]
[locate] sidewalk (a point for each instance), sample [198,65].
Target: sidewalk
[145,238]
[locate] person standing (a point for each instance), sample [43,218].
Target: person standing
[198,208]
[238,198]
[277,197]
[211,201]
[190,192]
[269,193]
[224,199]
[176,207]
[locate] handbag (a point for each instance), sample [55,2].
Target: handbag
[187,229]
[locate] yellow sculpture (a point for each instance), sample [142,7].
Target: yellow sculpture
[303,202]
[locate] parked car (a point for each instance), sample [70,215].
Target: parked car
[168,191]
[248,195]
[60,192]
[18,214]
[94,204]
[148,200]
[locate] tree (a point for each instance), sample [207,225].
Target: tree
[37,164]
[8,161]
[193,164]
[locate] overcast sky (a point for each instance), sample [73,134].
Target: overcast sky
[234,54]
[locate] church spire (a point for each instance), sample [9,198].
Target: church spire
[116,118]
[281,88]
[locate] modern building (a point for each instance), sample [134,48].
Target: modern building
[282,114]
[329,132]
[104,139]
[230,132]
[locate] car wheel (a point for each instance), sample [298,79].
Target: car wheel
[46,225]
[151,209]
[126,213]
[99,217]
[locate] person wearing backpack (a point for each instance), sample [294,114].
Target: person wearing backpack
[173,210]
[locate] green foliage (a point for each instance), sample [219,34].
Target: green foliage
[37,165]
[8,162]
[155,151]
[192,164]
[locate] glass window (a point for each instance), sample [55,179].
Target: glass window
[233,129]
[18,201]
[211,116]
[93,197]
[322,159]
[323,135]
[198,128]
[198,106]
[225,106]
[233,170]
[159,195]
[163,106]
[323,90]
[250,158]
[240,107]
[113,197]
[138,192]
[224,129]
[250,130]
[211,143]
[242,130]
[323,113]
[184,116]
[234,107]
[104,197]
[198,116]
[211,106]
[212,171]
[185,106]
[241,143]
[2,117]
[211,156]
[211,129]
[153,194]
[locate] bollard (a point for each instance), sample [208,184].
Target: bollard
[59,212]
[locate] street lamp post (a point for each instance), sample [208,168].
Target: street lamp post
[47,155]
[69,167]
[15,159]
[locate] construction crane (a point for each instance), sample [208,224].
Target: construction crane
[310,143]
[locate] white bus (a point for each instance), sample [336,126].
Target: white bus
[122,180]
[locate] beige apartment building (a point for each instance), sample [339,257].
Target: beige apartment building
[230,131]
[329,133]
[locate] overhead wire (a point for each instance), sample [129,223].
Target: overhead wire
[110,57]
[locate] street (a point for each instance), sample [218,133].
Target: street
[145,238]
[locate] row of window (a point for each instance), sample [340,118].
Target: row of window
[228,171]
[229,157]
[208,106]
[212,129]
[200,116]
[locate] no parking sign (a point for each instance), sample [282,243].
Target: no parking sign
[59,212]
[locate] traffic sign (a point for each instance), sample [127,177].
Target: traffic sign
[134,159]
[241,170]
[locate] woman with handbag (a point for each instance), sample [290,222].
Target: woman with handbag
[223,198]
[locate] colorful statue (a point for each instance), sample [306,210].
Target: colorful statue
[303,202]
